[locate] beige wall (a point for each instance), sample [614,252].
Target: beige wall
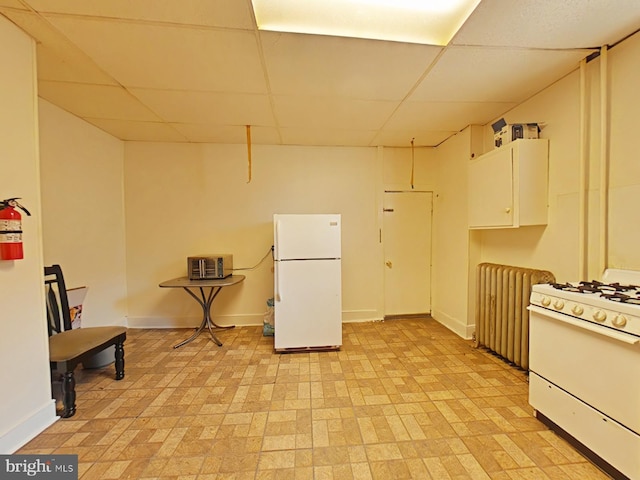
[451,235]
[177,206]
[83,211]
[624,227]
[27,407]
[555,247]
[184,200]
[397,168]
[552,247]
[189,199]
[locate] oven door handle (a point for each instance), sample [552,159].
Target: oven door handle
[586,325]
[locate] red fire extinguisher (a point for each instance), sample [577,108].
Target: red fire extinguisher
[11,229]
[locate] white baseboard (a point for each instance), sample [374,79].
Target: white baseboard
[254,320]
[357,316]
[248,320]
[456,326]
[27,429]
[193,322]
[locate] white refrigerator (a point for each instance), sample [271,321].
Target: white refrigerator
[307,281]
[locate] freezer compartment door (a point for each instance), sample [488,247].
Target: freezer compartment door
[306,236]
[308,304]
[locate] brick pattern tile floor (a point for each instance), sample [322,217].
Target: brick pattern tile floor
[402,399]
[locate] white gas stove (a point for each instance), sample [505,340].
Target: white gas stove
[614,302]
[584,356]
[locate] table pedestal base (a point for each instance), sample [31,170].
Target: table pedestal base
[205,302]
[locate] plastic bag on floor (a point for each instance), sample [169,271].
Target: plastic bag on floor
[269,322]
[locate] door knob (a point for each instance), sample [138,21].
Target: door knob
[388,264]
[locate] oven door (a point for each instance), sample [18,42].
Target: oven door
[596,364]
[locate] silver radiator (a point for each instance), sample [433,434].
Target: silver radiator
[502,318]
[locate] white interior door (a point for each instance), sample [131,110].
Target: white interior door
[407,252]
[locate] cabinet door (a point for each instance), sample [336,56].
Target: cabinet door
[491,190]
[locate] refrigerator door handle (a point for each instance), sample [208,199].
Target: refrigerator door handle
[277,296]
[276,239]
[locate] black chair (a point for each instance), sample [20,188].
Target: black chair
[68,347]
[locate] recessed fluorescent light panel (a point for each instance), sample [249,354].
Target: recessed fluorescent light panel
[430,22]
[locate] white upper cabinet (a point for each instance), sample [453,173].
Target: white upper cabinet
[508,187]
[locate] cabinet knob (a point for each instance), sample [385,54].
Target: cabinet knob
[507,210]
[388,264]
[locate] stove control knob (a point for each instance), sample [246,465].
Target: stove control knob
[558,304]
[577,310]
[599,316]
[546,301]
[619,321]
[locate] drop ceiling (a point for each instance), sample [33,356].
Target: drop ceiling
[200,70]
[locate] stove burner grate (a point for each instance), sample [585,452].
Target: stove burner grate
[595,286]
[621,297]
[567,287]
[610,291]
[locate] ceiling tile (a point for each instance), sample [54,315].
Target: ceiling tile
[69,65]
[13,4]
[479,74]
[96,101]
[57,57]
[221,13]
[346,67]
[450,116]
[402,138]
[199,71]
[173,58]
[549,23]
[208,107]
[227,134]
[138,131]
[326,136]
[332,113]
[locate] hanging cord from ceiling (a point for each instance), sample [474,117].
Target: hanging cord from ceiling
[249,151]
[413,162]
[257,264]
